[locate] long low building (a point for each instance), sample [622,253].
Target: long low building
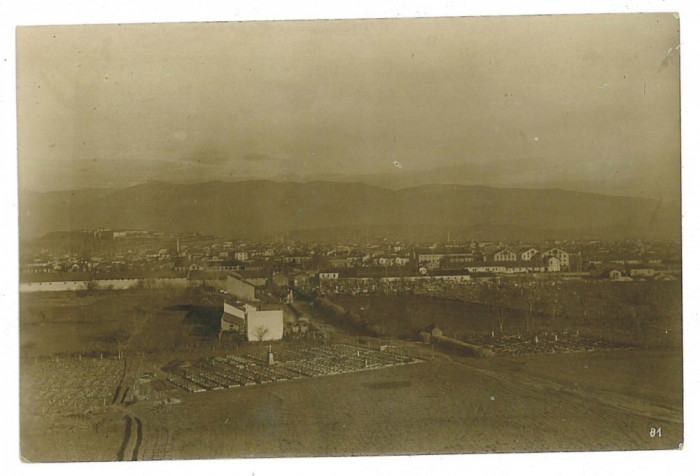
[240,288]
[459,276]
[462,274]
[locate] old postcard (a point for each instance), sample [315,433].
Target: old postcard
[351,237]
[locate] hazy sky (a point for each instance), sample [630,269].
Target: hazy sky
[574,98]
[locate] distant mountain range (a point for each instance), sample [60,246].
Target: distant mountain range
[643,180]
[651,182]
[332,210]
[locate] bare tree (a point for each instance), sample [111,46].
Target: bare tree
[501,319]
[496,300]
[532,299]
[261,332]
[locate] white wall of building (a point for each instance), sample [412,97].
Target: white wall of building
[270,320]
[115,284]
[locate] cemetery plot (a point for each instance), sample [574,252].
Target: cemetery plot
[217,373]
[545,343]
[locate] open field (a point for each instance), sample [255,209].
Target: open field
[406,315]
[77,406]
[72,323]
[652,376]
[433,408]
[437,407]
[655,323]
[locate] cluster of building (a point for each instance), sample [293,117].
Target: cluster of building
[504,260]
[245,314]
[134,254]
[258,277]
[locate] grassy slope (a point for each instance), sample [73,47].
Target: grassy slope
[637,313]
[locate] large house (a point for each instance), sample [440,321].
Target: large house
[434,258]
[505,255]
[430,260]
[528,255]
[561,255]
[241,255]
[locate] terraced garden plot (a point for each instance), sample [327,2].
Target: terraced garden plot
[70,385]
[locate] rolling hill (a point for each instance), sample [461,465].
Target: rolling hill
[319,210]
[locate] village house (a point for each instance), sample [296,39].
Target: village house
[430,261]
[505,255]
[328,275]
[641,272]
[561,255]
[552,264]
[436,258]
[529,254]
[184,264]
[338,263]
[296,259]
[241,255]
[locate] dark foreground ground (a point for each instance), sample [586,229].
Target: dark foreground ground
[433,407]
[75,407]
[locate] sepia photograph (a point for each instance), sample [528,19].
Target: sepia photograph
[353,237]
